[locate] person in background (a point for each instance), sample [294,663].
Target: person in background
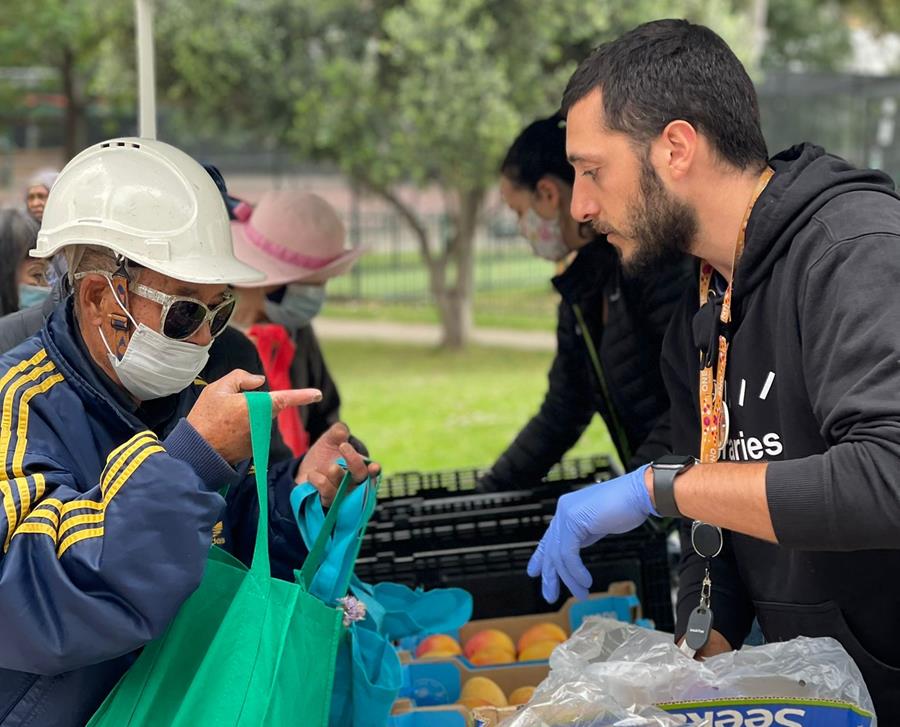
[297,239]
[609,331]
[37,191]
[22,281]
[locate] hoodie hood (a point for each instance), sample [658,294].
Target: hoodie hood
[806,178]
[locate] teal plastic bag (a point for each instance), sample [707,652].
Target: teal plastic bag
[418,613]
[367,673]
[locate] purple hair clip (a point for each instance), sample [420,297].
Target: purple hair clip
[354,609]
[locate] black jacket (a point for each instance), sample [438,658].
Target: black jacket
[813,386]
[624,385]
[25,322]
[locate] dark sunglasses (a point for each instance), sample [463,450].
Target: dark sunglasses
[182,317]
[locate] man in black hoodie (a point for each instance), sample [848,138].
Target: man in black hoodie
[663,132]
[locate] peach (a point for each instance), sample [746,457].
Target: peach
[538,650]
[489,638]
[485,689]
[522,695]
[447,645]
[541,632]
[492,655]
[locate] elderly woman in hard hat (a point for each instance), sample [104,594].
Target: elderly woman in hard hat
[297,240]
[114,454]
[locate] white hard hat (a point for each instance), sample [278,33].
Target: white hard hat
[148,201]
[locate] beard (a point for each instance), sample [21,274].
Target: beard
[662,227]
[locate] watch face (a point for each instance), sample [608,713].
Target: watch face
[673,460]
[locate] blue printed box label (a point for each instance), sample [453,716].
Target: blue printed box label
[781,713]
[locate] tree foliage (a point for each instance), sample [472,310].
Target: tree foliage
[392,92]
[71,37]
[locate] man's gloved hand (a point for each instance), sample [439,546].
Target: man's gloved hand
[582,518]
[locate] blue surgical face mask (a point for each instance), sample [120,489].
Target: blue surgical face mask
[299,305]
[30,295]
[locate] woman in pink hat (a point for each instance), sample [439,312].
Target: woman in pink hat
[297,240]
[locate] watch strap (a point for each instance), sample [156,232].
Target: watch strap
[664,491]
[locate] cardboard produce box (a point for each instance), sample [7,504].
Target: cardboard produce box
[492,716]
[405,714]
[619,602]
[439,682]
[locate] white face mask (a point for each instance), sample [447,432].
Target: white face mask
[154,365]
[300,304]
[545,236]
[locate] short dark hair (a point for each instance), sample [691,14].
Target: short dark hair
[539,150]
[672,69]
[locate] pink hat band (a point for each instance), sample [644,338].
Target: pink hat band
[291,257]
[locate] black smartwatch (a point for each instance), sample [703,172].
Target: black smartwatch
[665,470]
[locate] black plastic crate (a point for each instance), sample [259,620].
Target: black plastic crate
[403,509]
[576,470]
[464,524]
[495,573]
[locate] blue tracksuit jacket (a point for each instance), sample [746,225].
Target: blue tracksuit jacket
[107,511]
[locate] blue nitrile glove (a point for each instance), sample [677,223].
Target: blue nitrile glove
[582,518]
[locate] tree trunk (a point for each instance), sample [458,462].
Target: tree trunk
[456,319]
[453,301]
[759,16]
[457,308]
[73,140]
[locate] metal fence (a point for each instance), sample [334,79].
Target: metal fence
[393,270]
[852,116]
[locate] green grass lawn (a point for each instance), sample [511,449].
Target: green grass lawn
[521,310]
[513,290]
[422,409]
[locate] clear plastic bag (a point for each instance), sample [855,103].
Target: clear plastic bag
[612,674]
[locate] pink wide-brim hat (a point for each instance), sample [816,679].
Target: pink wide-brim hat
[292,237]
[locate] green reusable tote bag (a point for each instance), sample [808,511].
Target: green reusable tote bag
[246,649]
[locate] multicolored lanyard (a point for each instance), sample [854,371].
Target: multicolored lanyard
[712,385]
[707,539]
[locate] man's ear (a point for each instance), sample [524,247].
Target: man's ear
[94,298]
[676,149]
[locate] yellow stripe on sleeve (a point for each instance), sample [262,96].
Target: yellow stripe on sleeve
[125,445]
[122,477]
[115,461]
[24,495]
[37,528]
[129,470]
[22,427]
[75,520]
[8,398]
[48,509]
[9,505]
[113,468]
[25,372]
[21,366]
[69,541]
